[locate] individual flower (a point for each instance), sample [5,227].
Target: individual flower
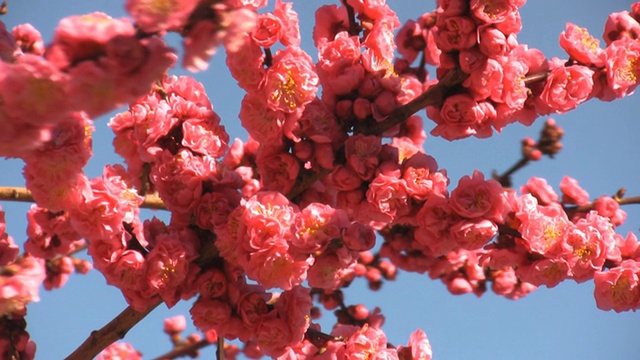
[618,288]
[566,88]
[581,46]
[291,82]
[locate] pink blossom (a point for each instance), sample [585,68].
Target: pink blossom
[486,81]
[274,266]
[50,234]
[294,306]
[544,229]
[252,308]
[210,314]
[590,240]
[547,271]
[8,249]
[20,286]
[268,30]
[178,179]
[492,42]
[417,348]
[455,33]
[263,124]
[388,195]
[203,38]
[339,65]
[119,351]
[492,11]
[28,39]
[289,18]
[329,20]
[609,207]
[274,336]
[168,264]
[380,45]
[541,190]
[618,288]
[155,16]
[175,325]
[581,46]
[621,25]
[291,82]
[33,77]
[422,178]
[205,136]
[623,66]
[566,88]
[572,193]
[246,66]
[316,225]
[474,197]
[362,154]
[278,170]
[473,234]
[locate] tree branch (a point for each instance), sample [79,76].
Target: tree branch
[433,96]
[20,194]
[116,329]
[184,350]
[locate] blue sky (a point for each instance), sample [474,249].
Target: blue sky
[600,151]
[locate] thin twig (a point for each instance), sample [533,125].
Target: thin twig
[21,194]
[184,350]
[115,330]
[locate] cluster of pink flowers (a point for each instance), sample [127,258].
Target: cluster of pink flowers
[480,39]
[301,199]
[94,64]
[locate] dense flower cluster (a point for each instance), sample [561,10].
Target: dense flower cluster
[299,203]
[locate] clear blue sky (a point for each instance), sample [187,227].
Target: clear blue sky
[601,152]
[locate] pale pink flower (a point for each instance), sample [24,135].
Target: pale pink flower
[290,35]
[262,123]
[609,207]
[547,271]
[8,248]
[581,46]
[168,264]
[210,314]
[473,234]
[278,170]
[418,347]
[474,197]
[268,30]
[119,351]
[541,190]
[291,82]
[175,325]
[566,88]
[455,33]
[28,39]
[621,25]
[572,193]
[492,42]
[623,66]
[205,136]
[156,16]
[618,288]
[544,229]
[330,20]
[388,195]
[274,336]
[316,225]
[362,154]
[19,285]
[203,38]
[492,11]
